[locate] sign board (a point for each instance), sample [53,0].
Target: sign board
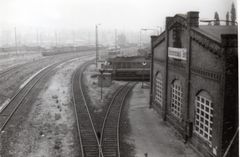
[177,53]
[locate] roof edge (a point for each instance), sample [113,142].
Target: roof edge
[159,39]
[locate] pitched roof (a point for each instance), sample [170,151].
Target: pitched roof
[215,32]
[182,15]
[212,32]
[128,59]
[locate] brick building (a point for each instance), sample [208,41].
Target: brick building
[194,82]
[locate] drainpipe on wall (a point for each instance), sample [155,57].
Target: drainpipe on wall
[153,38]
[192,21]
[168,22]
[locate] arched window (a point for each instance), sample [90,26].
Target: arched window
[177,99]
[203,115]
[159,89]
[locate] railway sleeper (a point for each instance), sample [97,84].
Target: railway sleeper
[110,135]
[110,143]
[89,138]
[112,123]
[109,128]
[91,154]
[90,147]
[87,133]
[84,126]
[86,130]
[109,139]
[110,153]
[87,141]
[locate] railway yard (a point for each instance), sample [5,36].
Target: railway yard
[51,107]
[122,78]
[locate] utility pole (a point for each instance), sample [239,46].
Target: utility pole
[96,29]
[15,30]
[56,38]
[73,38]
[140,40]
[37,40]
[97,53]
[143,65]
[146,29]
[115,39]
[89,40]
[40,39]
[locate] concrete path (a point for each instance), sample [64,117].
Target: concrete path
[149,133]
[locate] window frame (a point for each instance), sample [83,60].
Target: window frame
[204,115]
[159,95]
[176,104]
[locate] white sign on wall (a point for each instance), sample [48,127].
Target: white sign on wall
[177,53]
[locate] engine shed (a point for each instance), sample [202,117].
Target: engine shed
[194,82]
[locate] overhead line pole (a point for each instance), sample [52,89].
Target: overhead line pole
[97,50]
[56,39]
[116,39]
[15,30]
[140,40]
[96,29]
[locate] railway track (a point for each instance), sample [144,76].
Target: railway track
[8,111]
[4,72]
[92,144]
[15,68]
[87,134]
[110,129]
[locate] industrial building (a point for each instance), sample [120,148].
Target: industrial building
[194,82]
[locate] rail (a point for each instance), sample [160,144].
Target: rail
[88,139]
[90,143]
[17,100]
[110,129]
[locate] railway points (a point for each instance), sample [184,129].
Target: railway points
[93,142]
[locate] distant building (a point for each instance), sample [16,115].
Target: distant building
[114,52]
[194,82]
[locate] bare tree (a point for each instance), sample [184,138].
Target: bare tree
[227,19]
[216,18]
[233,14]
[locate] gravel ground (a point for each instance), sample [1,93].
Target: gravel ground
[49,129]
[8,60]
[148,133]
[97,107]
[12,81]
[94,90]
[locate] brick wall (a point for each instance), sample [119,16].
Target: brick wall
[206,70]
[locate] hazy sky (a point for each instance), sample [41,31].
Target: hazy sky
[119,14]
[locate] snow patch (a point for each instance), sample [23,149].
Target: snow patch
[30,78]
[6,102]
[68,61]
